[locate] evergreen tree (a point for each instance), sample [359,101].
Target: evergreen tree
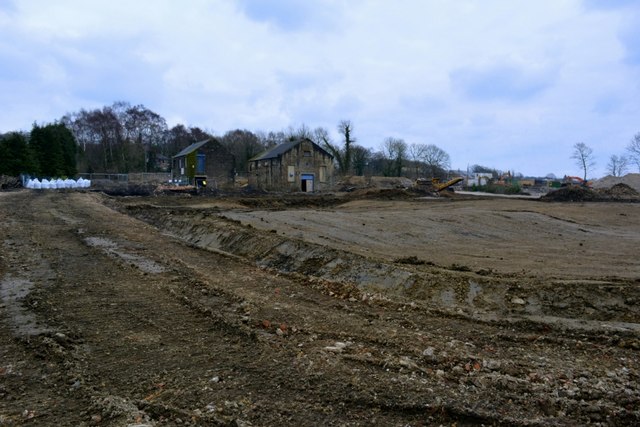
[15,156]
[54,148]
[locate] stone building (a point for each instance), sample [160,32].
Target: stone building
[206,162]
[298,165]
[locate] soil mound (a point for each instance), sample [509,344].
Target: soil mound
[622,191]
[617,193]
[354,183]
[571,194]
[383,194]
[123,189]
[288,201]
[630,179]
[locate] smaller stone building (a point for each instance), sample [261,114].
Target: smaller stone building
[203,163]
[298,165]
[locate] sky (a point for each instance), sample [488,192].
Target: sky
[509,84]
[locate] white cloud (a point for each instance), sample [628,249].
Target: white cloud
[509,84]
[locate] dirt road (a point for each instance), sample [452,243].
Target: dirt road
[153,312]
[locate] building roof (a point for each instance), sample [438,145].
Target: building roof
[279,150]
[193,147]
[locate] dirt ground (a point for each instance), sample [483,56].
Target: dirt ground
[275,310]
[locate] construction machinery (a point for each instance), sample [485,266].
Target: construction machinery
[574,180]
[436,184]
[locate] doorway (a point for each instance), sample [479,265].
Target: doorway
[306,180]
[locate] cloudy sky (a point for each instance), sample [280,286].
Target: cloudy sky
[503,83]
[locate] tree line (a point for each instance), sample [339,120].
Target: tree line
[123,138]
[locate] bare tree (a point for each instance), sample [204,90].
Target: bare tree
[144,132]
[244,145]
[436,161]
[360,159]
[118,138]
[394,151]
[321,137]
[303,131]
[342,155]
[345,128]
[583,155]
[634,150]
[271,139]
[416,153]
[617,165]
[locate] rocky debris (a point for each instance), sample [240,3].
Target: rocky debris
[116,407]
[9,182]
[412,260]
[338,347]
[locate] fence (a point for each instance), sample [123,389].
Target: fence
[145,178]
[138,178]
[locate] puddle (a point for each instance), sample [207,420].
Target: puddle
[448,297]
[533,305]
[21,320]
[65,218]
[110,247]
[100,242]
[474,290]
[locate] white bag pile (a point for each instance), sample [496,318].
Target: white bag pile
[46,184]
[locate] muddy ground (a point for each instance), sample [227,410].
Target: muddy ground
[180,310]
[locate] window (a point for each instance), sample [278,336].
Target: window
[307,153]
[323,174]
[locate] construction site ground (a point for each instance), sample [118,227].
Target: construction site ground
[317,310]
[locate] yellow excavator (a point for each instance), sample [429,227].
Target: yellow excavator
[444,185]
[436,184]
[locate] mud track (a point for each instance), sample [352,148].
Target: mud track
[205,312]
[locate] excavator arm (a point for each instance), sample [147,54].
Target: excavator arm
[444,185]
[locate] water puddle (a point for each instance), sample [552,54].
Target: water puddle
[448,297]
[474,290]
[21,320]
[111,248]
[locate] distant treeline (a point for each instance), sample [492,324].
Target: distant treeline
[122,138]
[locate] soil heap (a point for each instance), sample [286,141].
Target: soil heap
[571,194]
[619,192]
[630,179]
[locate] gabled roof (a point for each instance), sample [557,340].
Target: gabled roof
[283,148]
[191,148]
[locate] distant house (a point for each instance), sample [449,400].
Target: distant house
[298,165]
[479,179]
[206,162]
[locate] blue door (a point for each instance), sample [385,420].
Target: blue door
[200,164]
